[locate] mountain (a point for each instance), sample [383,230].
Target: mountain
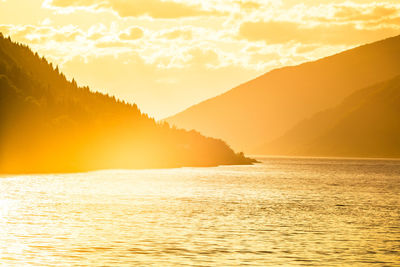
[263,109]
[49,124]
[365,124]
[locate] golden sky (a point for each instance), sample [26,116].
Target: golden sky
[166,55]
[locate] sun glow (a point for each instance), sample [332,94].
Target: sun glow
[120,43]
[126,125]
[5,206]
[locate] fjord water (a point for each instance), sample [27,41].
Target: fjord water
[283,211]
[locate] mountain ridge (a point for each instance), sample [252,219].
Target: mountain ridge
[365,124]
[247,115]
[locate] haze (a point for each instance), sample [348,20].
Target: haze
[168,55]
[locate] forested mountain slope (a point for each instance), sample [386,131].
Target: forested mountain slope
[365,124]
[49,124]
[263,109]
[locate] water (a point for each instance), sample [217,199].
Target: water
[280,212]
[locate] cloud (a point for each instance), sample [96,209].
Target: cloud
[66,36]
[386,21]
[263,58]
[306,48]
[203,57]
[95,36]
[378,15]
[185,34]
[364,13]
[111,44]
[132,33]
[40,34]
[248,5]
[135,8]
[274,32]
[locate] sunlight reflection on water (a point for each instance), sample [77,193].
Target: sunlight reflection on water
[283,211]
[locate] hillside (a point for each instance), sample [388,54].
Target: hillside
[49,124]
[263,109]
[365,124]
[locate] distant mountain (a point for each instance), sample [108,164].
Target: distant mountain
[365,124]
[48,124]
[263,109]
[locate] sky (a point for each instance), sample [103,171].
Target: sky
[166,55]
